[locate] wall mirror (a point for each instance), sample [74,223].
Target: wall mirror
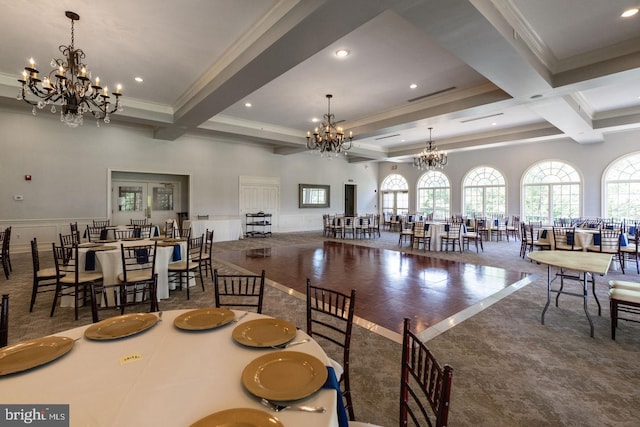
[313,196]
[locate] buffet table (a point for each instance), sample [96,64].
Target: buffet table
[168,376]
[224,229]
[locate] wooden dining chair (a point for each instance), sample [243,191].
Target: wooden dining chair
[608,241]
[188,268]
[374,225]
[630,250]
[101,223]
[117,297]
[69,240]
[349,227]
[425,384]
[451,237]
[182,233]
[565,239]
[95,233]
[168,229]
[205,259]
[406,233]
[4,320]
[44,279]
[245,291]
[128,233]
[138,221]
[137,284]
[624,300]
[143,231]
[330,321]
[73,227]
[71,280]
[472,237]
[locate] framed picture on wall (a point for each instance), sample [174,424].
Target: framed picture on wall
[314,196]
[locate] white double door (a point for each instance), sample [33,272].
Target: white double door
[154,201]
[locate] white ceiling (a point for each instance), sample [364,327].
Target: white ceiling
[505,71]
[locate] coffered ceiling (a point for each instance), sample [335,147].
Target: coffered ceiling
[487,72]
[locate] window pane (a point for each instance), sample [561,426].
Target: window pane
[394,182]
[551,190]
[485,193]
[130,199]
[402,203]
[622,187]
[162,199]
[441,203]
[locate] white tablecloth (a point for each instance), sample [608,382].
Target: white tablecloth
[175,379]
[583,237]
[223,229]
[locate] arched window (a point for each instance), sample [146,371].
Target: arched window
[551,189]
[395,195]
[434,195]
[485,193]
[622,188]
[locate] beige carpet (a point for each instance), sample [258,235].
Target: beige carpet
[509,370]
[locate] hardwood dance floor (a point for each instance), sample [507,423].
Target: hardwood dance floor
[390,285]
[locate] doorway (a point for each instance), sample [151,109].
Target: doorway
[155,197]
[350,208]
[154,201]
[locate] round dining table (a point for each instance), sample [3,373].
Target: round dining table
[166,375]
[109,263]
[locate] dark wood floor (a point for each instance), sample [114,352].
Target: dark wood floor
[390,285]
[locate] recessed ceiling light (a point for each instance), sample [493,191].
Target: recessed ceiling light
[342,53]
[139,79]
[315,120]
[413,86]
[493,124]
[247,104]
[629,12]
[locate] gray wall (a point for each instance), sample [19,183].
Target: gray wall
[513,161]
[69,169]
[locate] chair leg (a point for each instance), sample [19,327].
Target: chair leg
[34,291]
[55,299]
[613,306]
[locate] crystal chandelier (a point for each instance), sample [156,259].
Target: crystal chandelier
[68,85]
[331,138]
[430,158]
